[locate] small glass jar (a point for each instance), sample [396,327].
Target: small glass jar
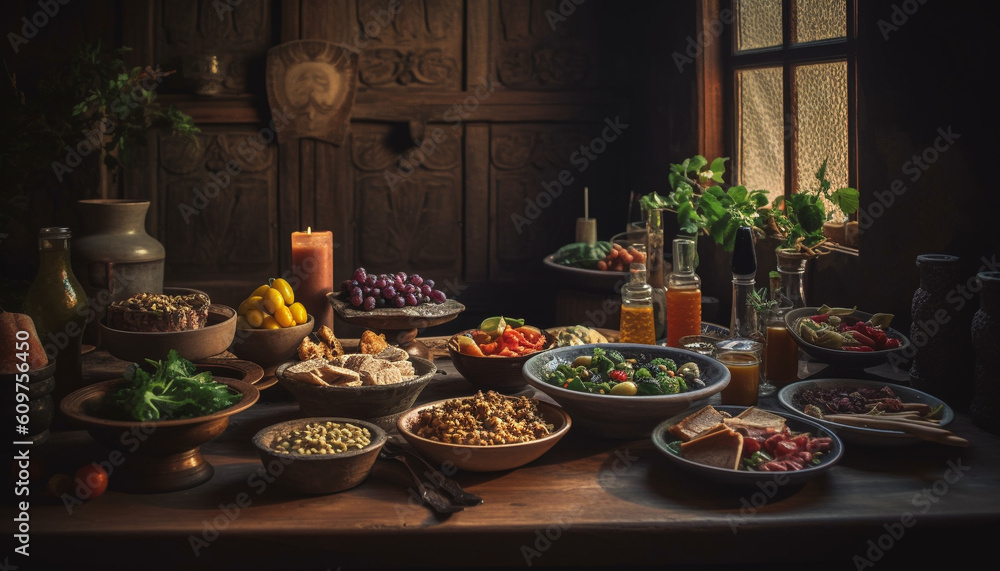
[637,324]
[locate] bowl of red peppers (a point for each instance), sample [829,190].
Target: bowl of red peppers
[491,356]
[846,337]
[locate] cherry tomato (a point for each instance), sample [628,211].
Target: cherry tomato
[273,300]
[283,316]
[91,481]
[785,447]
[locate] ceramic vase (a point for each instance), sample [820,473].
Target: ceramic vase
[985,407]
[115,258]
[942,363]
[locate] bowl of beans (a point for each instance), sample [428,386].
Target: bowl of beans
[485,432]
[320,455]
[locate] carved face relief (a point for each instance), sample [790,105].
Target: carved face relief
[312,83]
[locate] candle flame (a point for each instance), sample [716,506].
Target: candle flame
[309,230]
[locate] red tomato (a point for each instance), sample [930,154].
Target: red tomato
[91,481]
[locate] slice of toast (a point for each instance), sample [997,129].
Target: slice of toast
[319,372]
[754,417]
[696,423]
[721,448]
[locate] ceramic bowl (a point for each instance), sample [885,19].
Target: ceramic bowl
[838,357]
[270,347]
[500,374]
[788,397]
[193,345]
[318,473]
[160,456]
[615,416]
[476,458]
[378,404]
[662,440]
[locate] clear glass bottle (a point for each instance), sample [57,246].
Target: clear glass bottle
[58,306]
[683,293]
[655,268]
[743,317]
[792,269]
[637,324]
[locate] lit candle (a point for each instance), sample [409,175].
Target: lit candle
[312,263]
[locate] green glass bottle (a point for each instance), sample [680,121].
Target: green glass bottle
[58,306]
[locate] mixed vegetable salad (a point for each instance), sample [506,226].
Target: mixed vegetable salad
[609,372]
[833,328]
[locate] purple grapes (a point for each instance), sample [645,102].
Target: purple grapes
[368,290]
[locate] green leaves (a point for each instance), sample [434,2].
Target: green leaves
[171,391]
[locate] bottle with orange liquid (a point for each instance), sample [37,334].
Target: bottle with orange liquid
[683,294]
[637,324]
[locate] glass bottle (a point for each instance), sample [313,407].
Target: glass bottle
[637,324]
[743,318]
[58,306]
[655,268]
[792,268]
[683,294]
[781,355]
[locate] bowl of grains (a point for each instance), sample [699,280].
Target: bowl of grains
[485,432]
[319,455]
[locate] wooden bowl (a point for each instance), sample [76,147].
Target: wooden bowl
[379,404]
[318,473]
[475,458]
[270,347]
[160,456]
[500,374]
[193,345]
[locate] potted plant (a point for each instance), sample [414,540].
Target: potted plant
[74,132]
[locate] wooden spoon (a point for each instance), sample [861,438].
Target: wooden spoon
[919,429]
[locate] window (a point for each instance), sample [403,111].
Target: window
[788,78]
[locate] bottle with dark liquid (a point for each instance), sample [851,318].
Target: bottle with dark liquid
[58,306]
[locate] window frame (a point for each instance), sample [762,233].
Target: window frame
[717,83]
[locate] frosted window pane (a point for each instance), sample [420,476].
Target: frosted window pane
[761,139]
[758,24]
[821,124]
[815,20]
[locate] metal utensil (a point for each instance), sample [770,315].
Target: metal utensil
[428,494]
[453,488]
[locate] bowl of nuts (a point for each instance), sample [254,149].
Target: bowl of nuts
[319,455]
[486,432]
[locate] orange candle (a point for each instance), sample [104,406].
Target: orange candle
[312,264]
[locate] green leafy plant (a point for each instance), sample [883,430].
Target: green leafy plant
[800,217]
[173,390]
[703,206]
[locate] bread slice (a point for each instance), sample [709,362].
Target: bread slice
[379,372]
[391,353]
[696,423]
[754,417]
[319,372]
[721,448]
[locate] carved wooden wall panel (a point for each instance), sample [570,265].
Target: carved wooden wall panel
[218,206]
[408,205]
[545,45]
[411,44]
[537,191]
[241,30]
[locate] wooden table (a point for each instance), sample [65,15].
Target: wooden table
[587,503]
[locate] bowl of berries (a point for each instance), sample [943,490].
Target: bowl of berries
[397,305]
